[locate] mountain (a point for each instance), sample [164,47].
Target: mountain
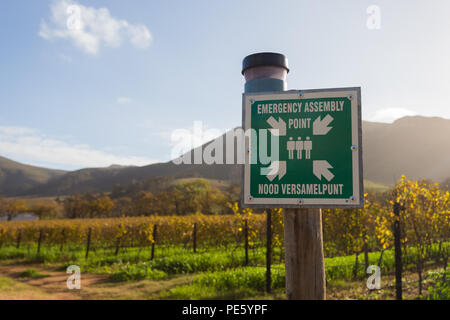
[104,179]
[17,178]
[418,147]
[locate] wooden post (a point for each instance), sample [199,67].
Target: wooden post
[19,238]
[88,244]
[63,239]
[194,238]
[117,247]
[39,242]
[246,240]
[380,259]
[356,266]
[366,256]
[398,253]
[268,249]
[155,228]
[303,241]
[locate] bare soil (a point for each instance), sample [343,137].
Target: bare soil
[93,286]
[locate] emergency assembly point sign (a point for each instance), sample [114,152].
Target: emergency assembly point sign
[303,149]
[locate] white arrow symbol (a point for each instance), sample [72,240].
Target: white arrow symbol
[276,168]
[321,127]
[320,168]
[278,127]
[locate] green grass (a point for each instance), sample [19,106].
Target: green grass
[170,260]
[441,289]
[135,264]
[229,284]
[217,273]
[132,272]
[6,283]
[32,273]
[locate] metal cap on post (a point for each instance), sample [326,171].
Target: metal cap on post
[265,71]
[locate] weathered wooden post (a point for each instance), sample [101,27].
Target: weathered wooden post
[295,159]
[116,252]
[303,241]
[155,228]
[398,253]
[63,239]
[194,238]
[88,243]
[268,250]
[19,238]
[39,242]
[246,241]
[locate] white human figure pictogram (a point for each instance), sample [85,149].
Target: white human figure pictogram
[299,147]
[291,147]
[308,147]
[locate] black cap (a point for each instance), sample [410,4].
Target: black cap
[265,59]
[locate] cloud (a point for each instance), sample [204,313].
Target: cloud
[124,100]
[27,144]
[89,28]
[391,114]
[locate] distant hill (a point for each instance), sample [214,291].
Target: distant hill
[17,178]
[104,179]
[416,146]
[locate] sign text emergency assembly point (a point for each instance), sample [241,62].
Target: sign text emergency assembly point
[303,149]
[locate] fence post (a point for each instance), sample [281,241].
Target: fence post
[117,247]
[246,241]
[366,255]
[88,244]
[63,239]
[19,238]
[398,253]
[194,238]
[356,266]
[268,249]
[155,228]
[39,242]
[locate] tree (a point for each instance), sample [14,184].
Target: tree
[197,195]
[143,204]
[76,206]
[122,206]
[425,207]
[11,208]
[44,210]
[101,207]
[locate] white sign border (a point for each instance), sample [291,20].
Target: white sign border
[357,201]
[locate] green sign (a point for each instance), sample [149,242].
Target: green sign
[303,149]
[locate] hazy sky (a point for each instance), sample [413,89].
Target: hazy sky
[112,86]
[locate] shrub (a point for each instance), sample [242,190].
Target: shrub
[139,271]
[441,289]
[32,273]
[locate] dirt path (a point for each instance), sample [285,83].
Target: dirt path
[98,287]
[93,286]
